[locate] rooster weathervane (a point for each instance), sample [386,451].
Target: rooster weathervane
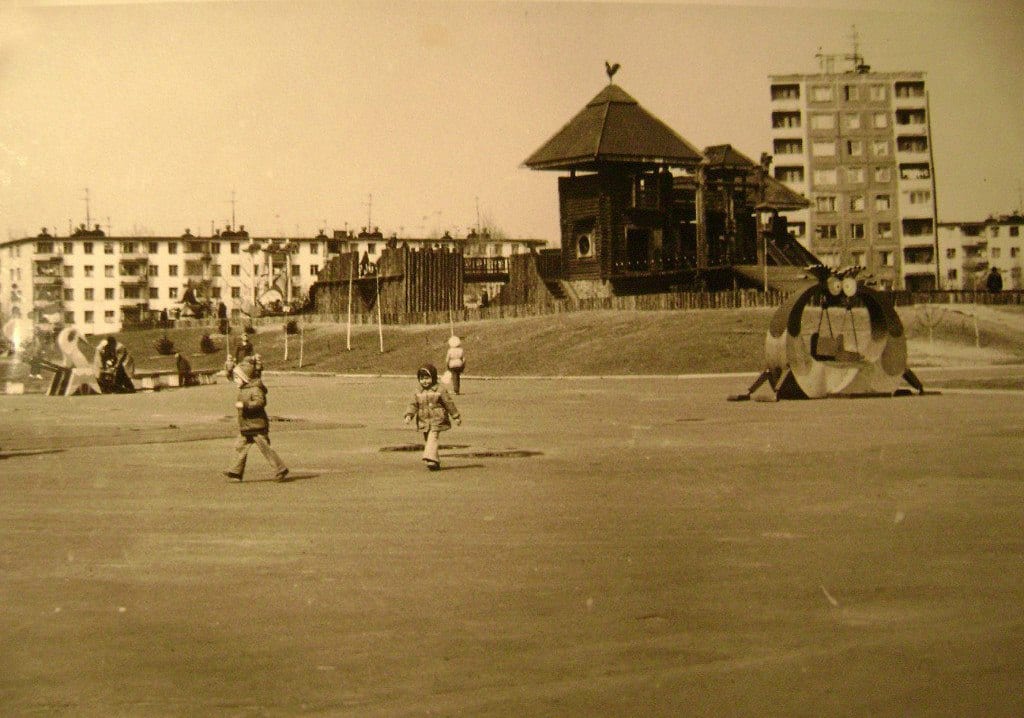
[611,70]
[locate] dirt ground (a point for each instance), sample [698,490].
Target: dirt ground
[636,546]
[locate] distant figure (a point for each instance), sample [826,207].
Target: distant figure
[434,411]
[184,368]
[484,301]
[455,361]
[994,281]
[253,422]
[244,349]
[164,319]
[222,318]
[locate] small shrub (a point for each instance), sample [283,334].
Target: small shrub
[206,345]
[164,345]
[291,327]
[250,329]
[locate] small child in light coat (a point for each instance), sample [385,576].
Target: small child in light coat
[455,362]
[434,411]
[253,423]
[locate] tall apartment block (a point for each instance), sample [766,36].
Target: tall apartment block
[857,144]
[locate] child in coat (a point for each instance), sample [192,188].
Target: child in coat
[455,361]
[253,423]
[434,410]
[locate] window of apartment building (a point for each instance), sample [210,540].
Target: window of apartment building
[127,247]
[296,270]
[883,175]
[917,227]
[912,144]
[216,292]
[910,88]
[69,317]
[153,270]
[314,248]
[44,247]
[825,203]
[850,93]
[789,174]
[785,119]
[994,231]
[172,293]
[877,93]
[108,270]
[194,247]
[108,293]
[172,247]
[951,274]
[885,230]
[236,292]
[132,293]
[826,231]
[172,270]
[951,253]
[882,202]
[857,230]
[89,316]
[1014,252]
[852,121]
[87,270]
[854,148]
[788,147]
[89,294]
[69,294]
[214,247]
[1014,231]
[823,121]
[910,117]
[823,149]
[797,229]
[996,252]
[314,270]
[786,92]
[108,316]
[880,120]
[880,148]
[857,203]
[821,93]
[108,247]
[858,259]
[69,271]
[87,247]
[235,247]
[214,270]
[236,270]
[154,292]
[825,177]
[919,196]
[371,247]
[193,268]
[154,247]
[69,248]
[915,170]
[918,255]
[855,175]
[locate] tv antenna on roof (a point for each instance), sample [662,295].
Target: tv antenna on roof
[826,63]
[856,58]
[88,218]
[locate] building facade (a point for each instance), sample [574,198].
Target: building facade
[99,283]
[968,251]
[858,145]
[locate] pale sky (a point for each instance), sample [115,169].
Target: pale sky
[304,110]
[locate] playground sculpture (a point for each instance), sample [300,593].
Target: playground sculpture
[77,375]
[834,364]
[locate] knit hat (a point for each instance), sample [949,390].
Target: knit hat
[453,342]
[427,370]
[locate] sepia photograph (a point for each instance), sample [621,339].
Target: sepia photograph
[511,358]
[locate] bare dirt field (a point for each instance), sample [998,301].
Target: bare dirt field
[618,547]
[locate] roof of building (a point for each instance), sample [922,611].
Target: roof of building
[613,128]
[777,196]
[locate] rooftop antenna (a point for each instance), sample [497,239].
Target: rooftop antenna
[826,63]
[856,58]
[88,217]
[232,210]
[478,215]
[369,214]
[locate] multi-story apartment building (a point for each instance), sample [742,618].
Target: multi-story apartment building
[98,282]
[857,144]
[969,250]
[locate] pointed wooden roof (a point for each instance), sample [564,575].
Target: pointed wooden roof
[613,128]
[777,196]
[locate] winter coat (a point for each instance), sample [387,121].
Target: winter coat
[252,412]
[433,408]
[455,359]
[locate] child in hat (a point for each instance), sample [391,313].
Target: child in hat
[434,410]
[253,423]
[455,360]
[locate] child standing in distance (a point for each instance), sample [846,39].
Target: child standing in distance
[455,361]
[434,410]
[253,423]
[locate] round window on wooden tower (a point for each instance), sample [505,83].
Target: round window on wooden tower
[584,246]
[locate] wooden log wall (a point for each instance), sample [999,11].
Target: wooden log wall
[525,284]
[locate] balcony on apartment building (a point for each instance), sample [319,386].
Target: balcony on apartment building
[909,94]
[786,96]
[917,231]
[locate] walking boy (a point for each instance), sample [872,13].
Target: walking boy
[253,424]
[434,410]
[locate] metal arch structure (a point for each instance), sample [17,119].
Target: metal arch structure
[824,367]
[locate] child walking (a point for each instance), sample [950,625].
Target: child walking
[434,410]
[455,360]
[253,424]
